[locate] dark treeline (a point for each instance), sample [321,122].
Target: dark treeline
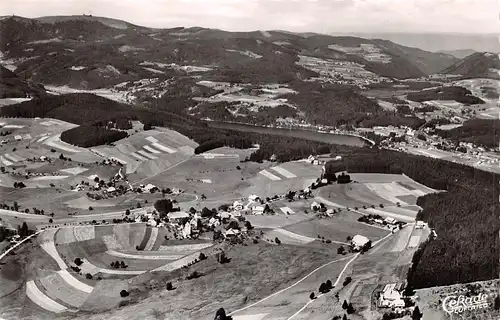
[458,94]
[465,217]
[89,136]
[481,132]
[93,113]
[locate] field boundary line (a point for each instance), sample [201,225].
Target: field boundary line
[289,287]
[18,244]
[339,276]
[175,165]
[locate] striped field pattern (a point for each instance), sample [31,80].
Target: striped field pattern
[269,175]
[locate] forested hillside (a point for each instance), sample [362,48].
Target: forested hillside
[93,113]
[481,132]
[465,217]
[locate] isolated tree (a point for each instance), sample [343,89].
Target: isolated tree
[88,276]
[164,206]
[78,262]
[221,315]
[416,315]
[169,286]
[50,220]
[329,284]
[350,309]
[277,240]
[248,225]
[341,250]
[345,305]
[23,230]
[202,256]
[323,288]
[124,293]
[312,296]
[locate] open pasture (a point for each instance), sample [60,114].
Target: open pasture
[226,179]
[42,300]
[337,228]
[84,203]
[74,170]
[104,260]
[287,237]
[405,216]
[106,295]
[58,289]
[264,187]
[288,302]
[389,191]
[351,195]
[277,220]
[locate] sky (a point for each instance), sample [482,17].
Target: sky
[325,16]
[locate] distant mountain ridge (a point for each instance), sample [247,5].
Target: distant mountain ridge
[435,42]
[460,54]
[94,52]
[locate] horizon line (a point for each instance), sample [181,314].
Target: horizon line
[272,30]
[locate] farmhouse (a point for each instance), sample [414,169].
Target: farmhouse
[391,296]
[150,188]
[18,138]
[420,225]
[237,205]
[253,198]
[315,205]
[177,216]
[231,233]
[390,220]
[359,241]
[258,210]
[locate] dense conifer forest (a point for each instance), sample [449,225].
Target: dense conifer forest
[465,217]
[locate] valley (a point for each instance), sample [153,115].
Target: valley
[168,173]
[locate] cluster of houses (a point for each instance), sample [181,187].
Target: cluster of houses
[392,296]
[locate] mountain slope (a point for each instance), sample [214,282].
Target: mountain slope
[94,52]
[427,62]
[11,86]
[477,65]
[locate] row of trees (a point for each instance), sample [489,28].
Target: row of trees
[468,210]
[480,132]
[456,93]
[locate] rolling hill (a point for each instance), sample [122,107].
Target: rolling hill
[476,65]
[95,52]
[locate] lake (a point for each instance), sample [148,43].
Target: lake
[330,138]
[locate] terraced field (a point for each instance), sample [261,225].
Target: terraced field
[99,247]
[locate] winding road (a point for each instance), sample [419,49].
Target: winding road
[351,258]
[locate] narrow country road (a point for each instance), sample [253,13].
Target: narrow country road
[339,277]
[18,244]
[352,258]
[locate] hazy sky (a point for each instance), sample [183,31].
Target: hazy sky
[462,16]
